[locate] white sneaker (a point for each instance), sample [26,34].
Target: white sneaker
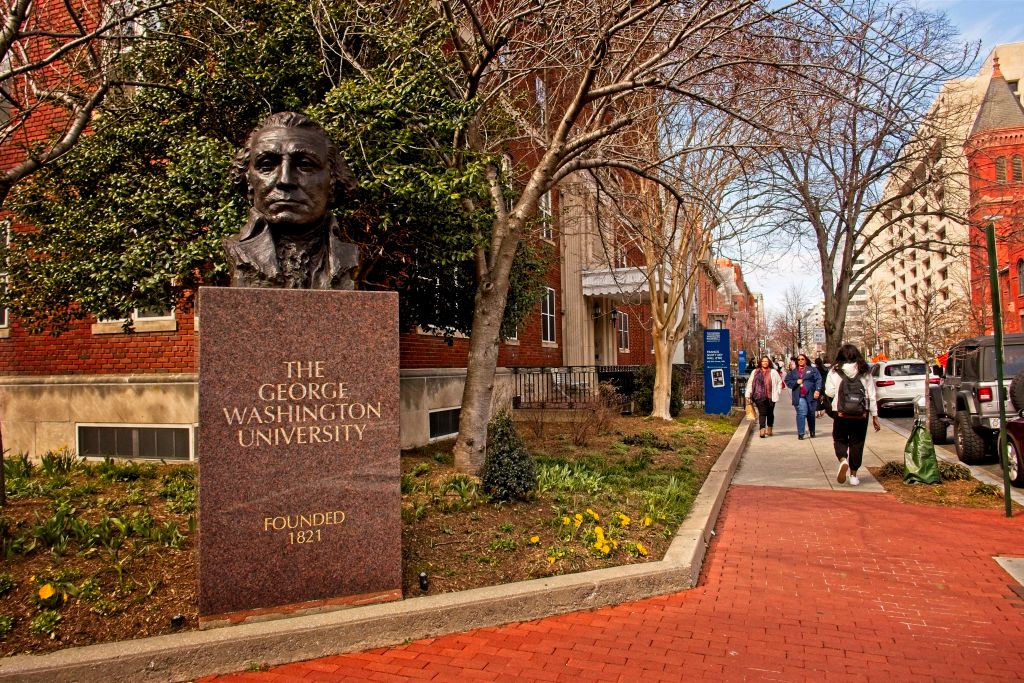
[854,481]
[844,467]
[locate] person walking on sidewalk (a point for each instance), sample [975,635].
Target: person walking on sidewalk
[853,400]
[763,389]
[806,383]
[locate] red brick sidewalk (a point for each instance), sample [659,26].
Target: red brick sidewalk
[799,585]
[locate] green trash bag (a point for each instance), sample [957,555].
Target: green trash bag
[919,463]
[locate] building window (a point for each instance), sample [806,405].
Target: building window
[547,316]
[542,100]
[1001,169]
[546,217]
[444,423]
[5,237]
[1018,171]
[621,256]
[135,441]
[623,324]
[143,320]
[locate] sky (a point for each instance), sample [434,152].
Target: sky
[990,21]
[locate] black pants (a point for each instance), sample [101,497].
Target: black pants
[848,436]
[765,412]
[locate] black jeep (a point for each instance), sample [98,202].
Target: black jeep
[966,398]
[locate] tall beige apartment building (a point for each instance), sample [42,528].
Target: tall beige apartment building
[902,284]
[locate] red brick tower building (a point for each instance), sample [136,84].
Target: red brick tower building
[995,158]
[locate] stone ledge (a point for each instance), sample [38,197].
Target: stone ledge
[186,656]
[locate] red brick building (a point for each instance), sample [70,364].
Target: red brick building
[995,158]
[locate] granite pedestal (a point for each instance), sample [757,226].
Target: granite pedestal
[299,480]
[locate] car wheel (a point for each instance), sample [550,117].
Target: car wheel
[1016,464]
[1017,391]
[970,446]
[936,427]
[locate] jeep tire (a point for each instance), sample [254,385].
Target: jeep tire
[1016,464]
[970,446]
[1017,391]
[936,427]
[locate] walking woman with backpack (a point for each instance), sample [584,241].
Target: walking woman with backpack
[853,400]
[763,390]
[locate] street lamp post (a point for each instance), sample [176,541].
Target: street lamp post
[997,330]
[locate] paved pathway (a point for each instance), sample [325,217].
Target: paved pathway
[805,581]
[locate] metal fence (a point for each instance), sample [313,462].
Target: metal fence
[571,386]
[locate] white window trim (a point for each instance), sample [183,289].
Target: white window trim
[442,437]
[5,328]
[546,217]
[162,323]
[136,425]
[622,329]
[514,338]
[549,294]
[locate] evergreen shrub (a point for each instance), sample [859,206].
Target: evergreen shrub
[509,471]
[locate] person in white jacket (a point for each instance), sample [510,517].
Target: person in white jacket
[850,429]
[763,389]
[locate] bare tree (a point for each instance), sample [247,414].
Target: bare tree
[59,64]
[700,201]
[864,142]
[566,86]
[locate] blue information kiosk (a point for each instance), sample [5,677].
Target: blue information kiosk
[717,375]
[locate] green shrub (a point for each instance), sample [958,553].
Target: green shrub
[643,390]
[45,623]
[6,626]
[647,438]
[953,471]
[59,462]
[6,582]
[178,487]
[125,470]
[18,467]
[509,471]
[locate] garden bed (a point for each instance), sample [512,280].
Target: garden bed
[98,552]
[957,489]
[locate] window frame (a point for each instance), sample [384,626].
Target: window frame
[5,314]
[1017,168]
[446,435]
[547,317]
[190,429]
[1000,169]
[622,331]
[546,217]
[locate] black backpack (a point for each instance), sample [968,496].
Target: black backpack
[852,397]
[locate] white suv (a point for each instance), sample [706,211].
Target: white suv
[898,383]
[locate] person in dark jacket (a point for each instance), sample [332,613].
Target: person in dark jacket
[807,384]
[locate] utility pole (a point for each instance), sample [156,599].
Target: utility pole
[997,330]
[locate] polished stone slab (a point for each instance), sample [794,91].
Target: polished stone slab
[299,480]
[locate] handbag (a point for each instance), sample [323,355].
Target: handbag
[751,415]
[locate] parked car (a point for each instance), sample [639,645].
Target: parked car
[966,397]
[1015,432]
[898,383]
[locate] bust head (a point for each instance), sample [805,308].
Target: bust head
[291,172]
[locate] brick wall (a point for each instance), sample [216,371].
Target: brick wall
[80,352]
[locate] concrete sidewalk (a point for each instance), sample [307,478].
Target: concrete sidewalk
[784,460]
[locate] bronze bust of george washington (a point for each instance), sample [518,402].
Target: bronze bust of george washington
[292,175]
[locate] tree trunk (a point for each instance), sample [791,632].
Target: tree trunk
[484,343]
[662,399]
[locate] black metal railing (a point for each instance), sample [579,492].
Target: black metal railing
[571,386]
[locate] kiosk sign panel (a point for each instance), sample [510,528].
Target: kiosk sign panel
[717,377]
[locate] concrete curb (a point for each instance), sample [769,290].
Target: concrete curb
[186,656]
